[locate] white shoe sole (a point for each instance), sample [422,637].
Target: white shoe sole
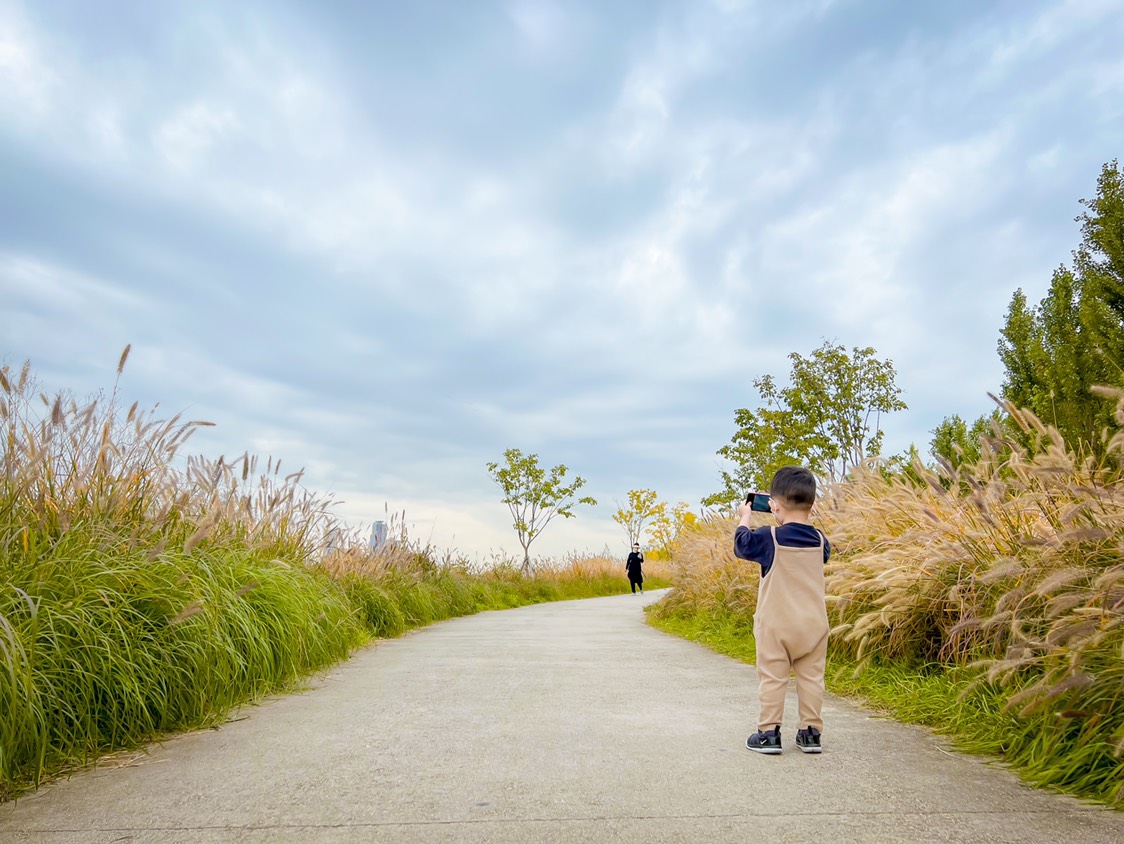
[768,751]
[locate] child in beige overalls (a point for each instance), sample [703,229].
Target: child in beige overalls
[790,625]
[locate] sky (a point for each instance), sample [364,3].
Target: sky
[387,241]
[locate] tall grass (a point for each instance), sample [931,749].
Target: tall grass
[140,593]
[143,591]
[402,586]
[1000,584]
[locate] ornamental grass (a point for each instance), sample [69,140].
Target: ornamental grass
[141,593]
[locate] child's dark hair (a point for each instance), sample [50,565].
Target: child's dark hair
[794,486]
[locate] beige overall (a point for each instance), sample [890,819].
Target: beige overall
[791,629]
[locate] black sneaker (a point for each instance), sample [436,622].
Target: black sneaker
[766,741]
[809,740]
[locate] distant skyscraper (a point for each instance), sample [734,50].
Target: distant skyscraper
[378,535]
[333,541]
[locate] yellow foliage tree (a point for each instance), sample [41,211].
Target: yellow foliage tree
[642,507]
[667,522]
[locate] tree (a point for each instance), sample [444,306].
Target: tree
[667,522]
[1052,360]
[828,419]
[957,444]
[1099,262]
[642,506]
[1074,338]
[766,440]
[535,497]
[907,466]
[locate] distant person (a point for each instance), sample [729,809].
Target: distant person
[790,624]
[635,569]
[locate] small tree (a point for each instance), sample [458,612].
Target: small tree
[957,444]
[642,506]
[828,419]
[533,496]
[766,440]
[907,466]
[667,523]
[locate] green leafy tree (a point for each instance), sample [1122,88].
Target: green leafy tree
[1022,352]
[1099,263]
[955,443]
[828,419]
[1052,360]
[766,439]
[535,496]
[1073,339]
[908,466]
[642,506]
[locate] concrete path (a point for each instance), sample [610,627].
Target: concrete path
[559,722]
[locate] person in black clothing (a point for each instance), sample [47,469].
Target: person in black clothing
[635,570]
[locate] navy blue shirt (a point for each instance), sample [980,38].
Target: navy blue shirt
[757,545]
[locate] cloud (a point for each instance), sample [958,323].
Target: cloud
[845,253]
[540,22]
[190,133]
[1052,26]
[70,311]
[37,286]
[387,246]
[27,82]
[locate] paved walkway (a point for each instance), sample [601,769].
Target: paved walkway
[560,722]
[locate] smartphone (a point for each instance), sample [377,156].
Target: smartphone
[758,502]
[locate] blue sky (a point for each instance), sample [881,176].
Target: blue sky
[386,241]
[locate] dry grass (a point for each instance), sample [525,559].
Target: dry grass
[589,567]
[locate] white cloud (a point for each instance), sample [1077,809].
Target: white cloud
[602,274]
[541,22]
[1047,159]
[83,321]
[845,251]
[27,80]
[191,132]
[643,110]
[1037,35]
[28,282]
